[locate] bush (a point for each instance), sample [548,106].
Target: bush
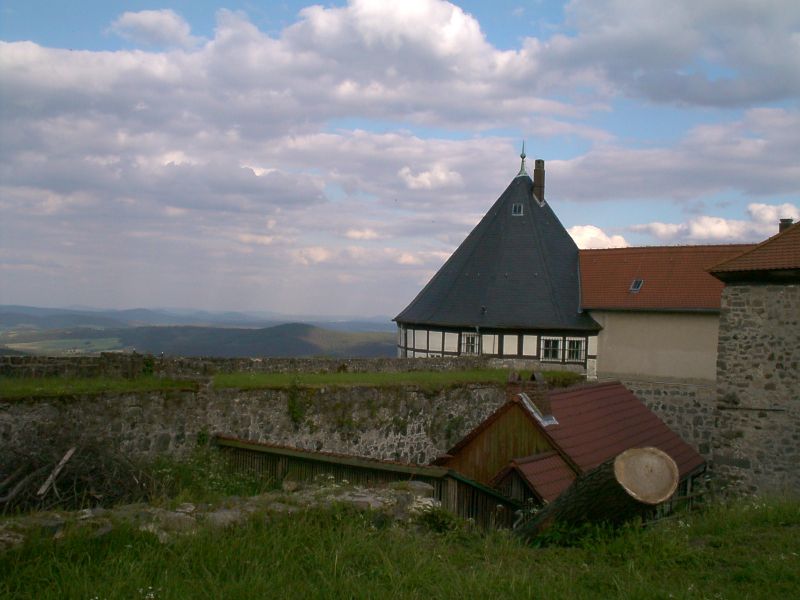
[96,474]
[562,379]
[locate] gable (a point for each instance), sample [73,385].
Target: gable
[779,253]
[510,432]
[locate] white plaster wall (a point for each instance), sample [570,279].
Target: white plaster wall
[669,345]
[529,345]
[591,346]
[421,339]
[489,344]
[435,341]
[451,342]
[510,345]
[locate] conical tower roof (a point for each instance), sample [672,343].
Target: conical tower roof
[513,271]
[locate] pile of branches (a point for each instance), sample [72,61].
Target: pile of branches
[57,467]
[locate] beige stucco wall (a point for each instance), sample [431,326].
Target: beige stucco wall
[669,345]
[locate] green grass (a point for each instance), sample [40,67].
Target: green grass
[736,552]
[14,388]
[424,379]
[11,388]
[203,477]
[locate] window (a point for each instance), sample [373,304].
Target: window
[516,209]
[576,350]
[469,343]
[551,349]
[636,285]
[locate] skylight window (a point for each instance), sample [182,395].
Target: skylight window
[516,209]
[636,285]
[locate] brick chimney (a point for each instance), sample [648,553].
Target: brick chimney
[538,180]
[782,226]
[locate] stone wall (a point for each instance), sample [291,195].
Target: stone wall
[117,364]
[757,447]
[689,409]
[398,423]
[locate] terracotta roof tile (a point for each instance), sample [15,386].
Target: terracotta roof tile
[674,277]
[598,422]
[781,251]
[547,473]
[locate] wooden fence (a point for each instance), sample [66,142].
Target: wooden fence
[458,494]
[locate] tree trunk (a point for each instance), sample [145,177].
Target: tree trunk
[619,489]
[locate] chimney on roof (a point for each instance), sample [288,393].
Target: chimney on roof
[782,226]
[538,180]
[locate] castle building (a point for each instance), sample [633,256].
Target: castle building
[511,289]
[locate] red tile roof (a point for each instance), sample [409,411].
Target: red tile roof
[597,422]
[780,252]
[547,473]
[674,277]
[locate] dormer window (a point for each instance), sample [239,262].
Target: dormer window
[516,209]
[636,285]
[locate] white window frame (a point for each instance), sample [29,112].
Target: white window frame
[470,344]
[547,351]
[517,209]
[569,353]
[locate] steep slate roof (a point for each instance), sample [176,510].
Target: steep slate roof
[597,422]
[781,252]
[522,269]
[674,277]
[546,473]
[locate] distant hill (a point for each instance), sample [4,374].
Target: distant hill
[31,317]
[288,340]
[293,339]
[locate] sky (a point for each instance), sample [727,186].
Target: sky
[327,159]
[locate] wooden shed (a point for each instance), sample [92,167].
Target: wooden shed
[533,447]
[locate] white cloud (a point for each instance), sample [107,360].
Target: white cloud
[311,255]
[589,236]
[709,229]
[435,178]
[251,238]
[158,28]
[362,234]
[772,214]
[716,52]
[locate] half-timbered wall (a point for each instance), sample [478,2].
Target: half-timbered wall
[556,347]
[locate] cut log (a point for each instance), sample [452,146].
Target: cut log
[618,490]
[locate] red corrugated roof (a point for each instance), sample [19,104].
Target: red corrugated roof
[595,423]
[674,277]
[781,251]
[547,473]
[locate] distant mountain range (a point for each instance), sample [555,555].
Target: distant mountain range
[32,330]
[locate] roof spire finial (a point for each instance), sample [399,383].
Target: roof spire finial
[522,170]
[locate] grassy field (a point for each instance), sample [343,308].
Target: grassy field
[13,388]
[425,379]
[749,550]
[67,346]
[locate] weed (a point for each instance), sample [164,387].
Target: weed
[296,406]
